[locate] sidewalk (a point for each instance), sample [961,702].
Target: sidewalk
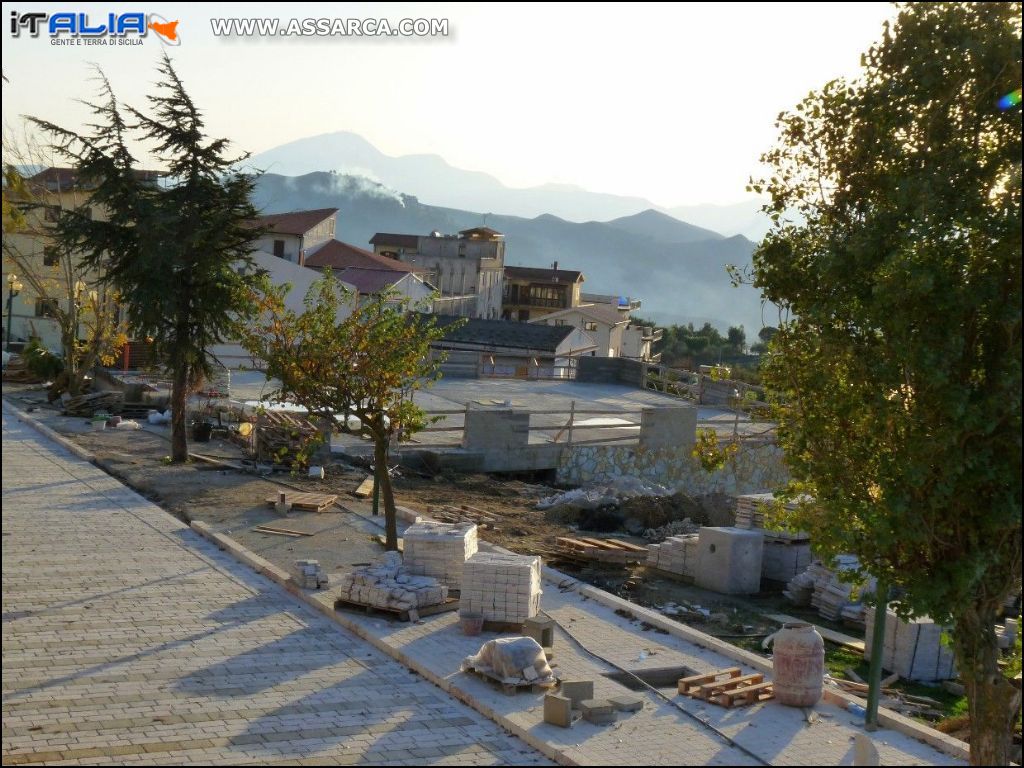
[127,638]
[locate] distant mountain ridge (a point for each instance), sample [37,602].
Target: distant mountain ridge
[675,268]
[432,179]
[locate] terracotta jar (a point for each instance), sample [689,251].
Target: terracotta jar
[799,665]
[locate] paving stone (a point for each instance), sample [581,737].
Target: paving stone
[146,645]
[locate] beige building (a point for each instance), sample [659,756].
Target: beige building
[637,339]
[296,235]
[613,333]
[532,292]
[470,264]
[48,282]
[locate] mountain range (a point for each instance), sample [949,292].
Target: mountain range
[434,181]
[676,268]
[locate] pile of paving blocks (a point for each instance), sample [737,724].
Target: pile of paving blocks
[676,554]
[388,584]
[501,588]
[577,696]
[786,553]
[439,550]
[913,648]
[822,588]
[308,574]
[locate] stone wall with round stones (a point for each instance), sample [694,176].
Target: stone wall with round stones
[754,468]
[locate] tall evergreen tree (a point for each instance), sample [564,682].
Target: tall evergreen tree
[171,249]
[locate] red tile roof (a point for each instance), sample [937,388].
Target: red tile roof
[370,281]
[338,255]
[68,178]
[544,274]
[294,222]
[402,241]
[481,232]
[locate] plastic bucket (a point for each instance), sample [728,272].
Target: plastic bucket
[472,623]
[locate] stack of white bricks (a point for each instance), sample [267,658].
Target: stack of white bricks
[388,584]
[676,554]
[750,514]
[439,550]
[501,587]
[913,649]
[308,574]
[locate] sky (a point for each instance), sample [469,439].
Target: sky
[674,103]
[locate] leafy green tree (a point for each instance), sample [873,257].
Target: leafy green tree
[737,338]
[767,333]
[174,250]
[342,357]
[895,251]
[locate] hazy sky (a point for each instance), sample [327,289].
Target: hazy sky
[671,103]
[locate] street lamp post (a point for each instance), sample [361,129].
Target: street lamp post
[14,287]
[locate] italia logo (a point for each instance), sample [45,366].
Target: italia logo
[92,26]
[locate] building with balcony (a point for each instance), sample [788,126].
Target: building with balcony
[462,267]
[532,292]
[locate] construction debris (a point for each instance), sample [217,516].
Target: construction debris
[675,528]
[365,488]
[822,588]
[281,437]
[439,550]
[464,514]
[501,588]
[310,502]
[389,585]
[93,403]
[308,574]
[602,550]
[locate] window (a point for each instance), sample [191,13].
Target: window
[279,248]
[51,214]
[559,322]
[589,325]
[51,257]
[46,307]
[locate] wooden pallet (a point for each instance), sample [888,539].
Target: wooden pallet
[727,687]
[603,550]
[511,689]
[451,604]
[464,513]
[311,502]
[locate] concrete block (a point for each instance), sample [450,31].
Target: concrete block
[496,430]
[577,691]
[729,560]
[540,629]
[557,710]
[627,703]
[674,427]
[598,711]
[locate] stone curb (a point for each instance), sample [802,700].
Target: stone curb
[887,718]
[47,432]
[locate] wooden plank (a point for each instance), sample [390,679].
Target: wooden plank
[829,634]
[687,683]
[365,488]
[272,532]
[630,546]
[573,543]
[750,694]
[599,543]
[713,688]
[278,529]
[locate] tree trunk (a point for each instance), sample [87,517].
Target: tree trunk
[992,700]
[380,461]
[179,398]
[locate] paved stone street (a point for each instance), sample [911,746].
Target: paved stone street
[129,639]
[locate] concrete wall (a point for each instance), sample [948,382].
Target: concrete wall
[610,370]
[755,468]
[500,438]
[668,428]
